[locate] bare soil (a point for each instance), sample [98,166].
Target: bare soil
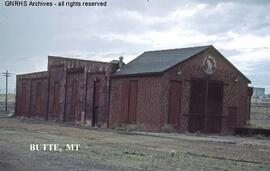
[104,149]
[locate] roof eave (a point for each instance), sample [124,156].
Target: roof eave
[138,75]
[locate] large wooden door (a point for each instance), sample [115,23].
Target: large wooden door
[74,103]
[129,101]
[39,102]
[75,97]
[197,103]
[205,106]
[214,107]
[132,108]
[56,94]
[175,104]
[96,94]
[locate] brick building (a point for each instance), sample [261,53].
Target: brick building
[192,89]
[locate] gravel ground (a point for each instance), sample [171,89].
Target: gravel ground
[103,149]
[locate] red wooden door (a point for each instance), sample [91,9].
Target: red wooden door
[24,105]
[175,104]
[197,102]
[124,101]
[95,102]
[231,120]
[73,98]
[132,108]
[214,107]
[56,103]
[38,98]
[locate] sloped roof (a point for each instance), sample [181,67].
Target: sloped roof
[158,61]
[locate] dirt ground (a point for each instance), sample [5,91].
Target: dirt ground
[103,149]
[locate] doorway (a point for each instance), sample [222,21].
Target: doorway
[205,106]
[175,104]
[95,102]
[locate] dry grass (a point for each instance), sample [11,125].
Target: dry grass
[143,151]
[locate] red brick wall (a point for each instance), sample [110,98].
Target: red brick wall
[151,105]
[235,93]
[153,93]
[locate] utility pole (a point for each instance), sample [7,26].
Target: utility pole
[6,74]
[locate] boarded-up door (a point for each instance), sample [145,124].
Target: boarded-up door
[133,90]
[73,106]
[95,102]
[56,102]
[24,100]
[231,120]
[175,104]
[39,103]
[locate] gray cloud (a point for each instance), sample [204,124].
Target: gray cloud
[128,27]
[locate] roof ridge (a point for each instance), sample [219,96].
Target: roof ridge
[190,47]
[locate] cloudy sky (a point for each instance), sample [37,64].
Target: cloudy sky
[240,30]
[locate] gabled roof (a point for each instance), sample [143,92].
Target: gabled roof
[158,61]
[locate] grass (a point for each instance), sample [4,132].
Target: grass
[11,97]
[143,152]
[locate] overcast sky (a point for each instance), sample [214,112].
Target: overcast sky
[240,30]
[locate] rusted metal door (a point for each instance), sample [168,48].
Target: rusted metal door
[175,104]
[132,107]
[96,94]
[232,119]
